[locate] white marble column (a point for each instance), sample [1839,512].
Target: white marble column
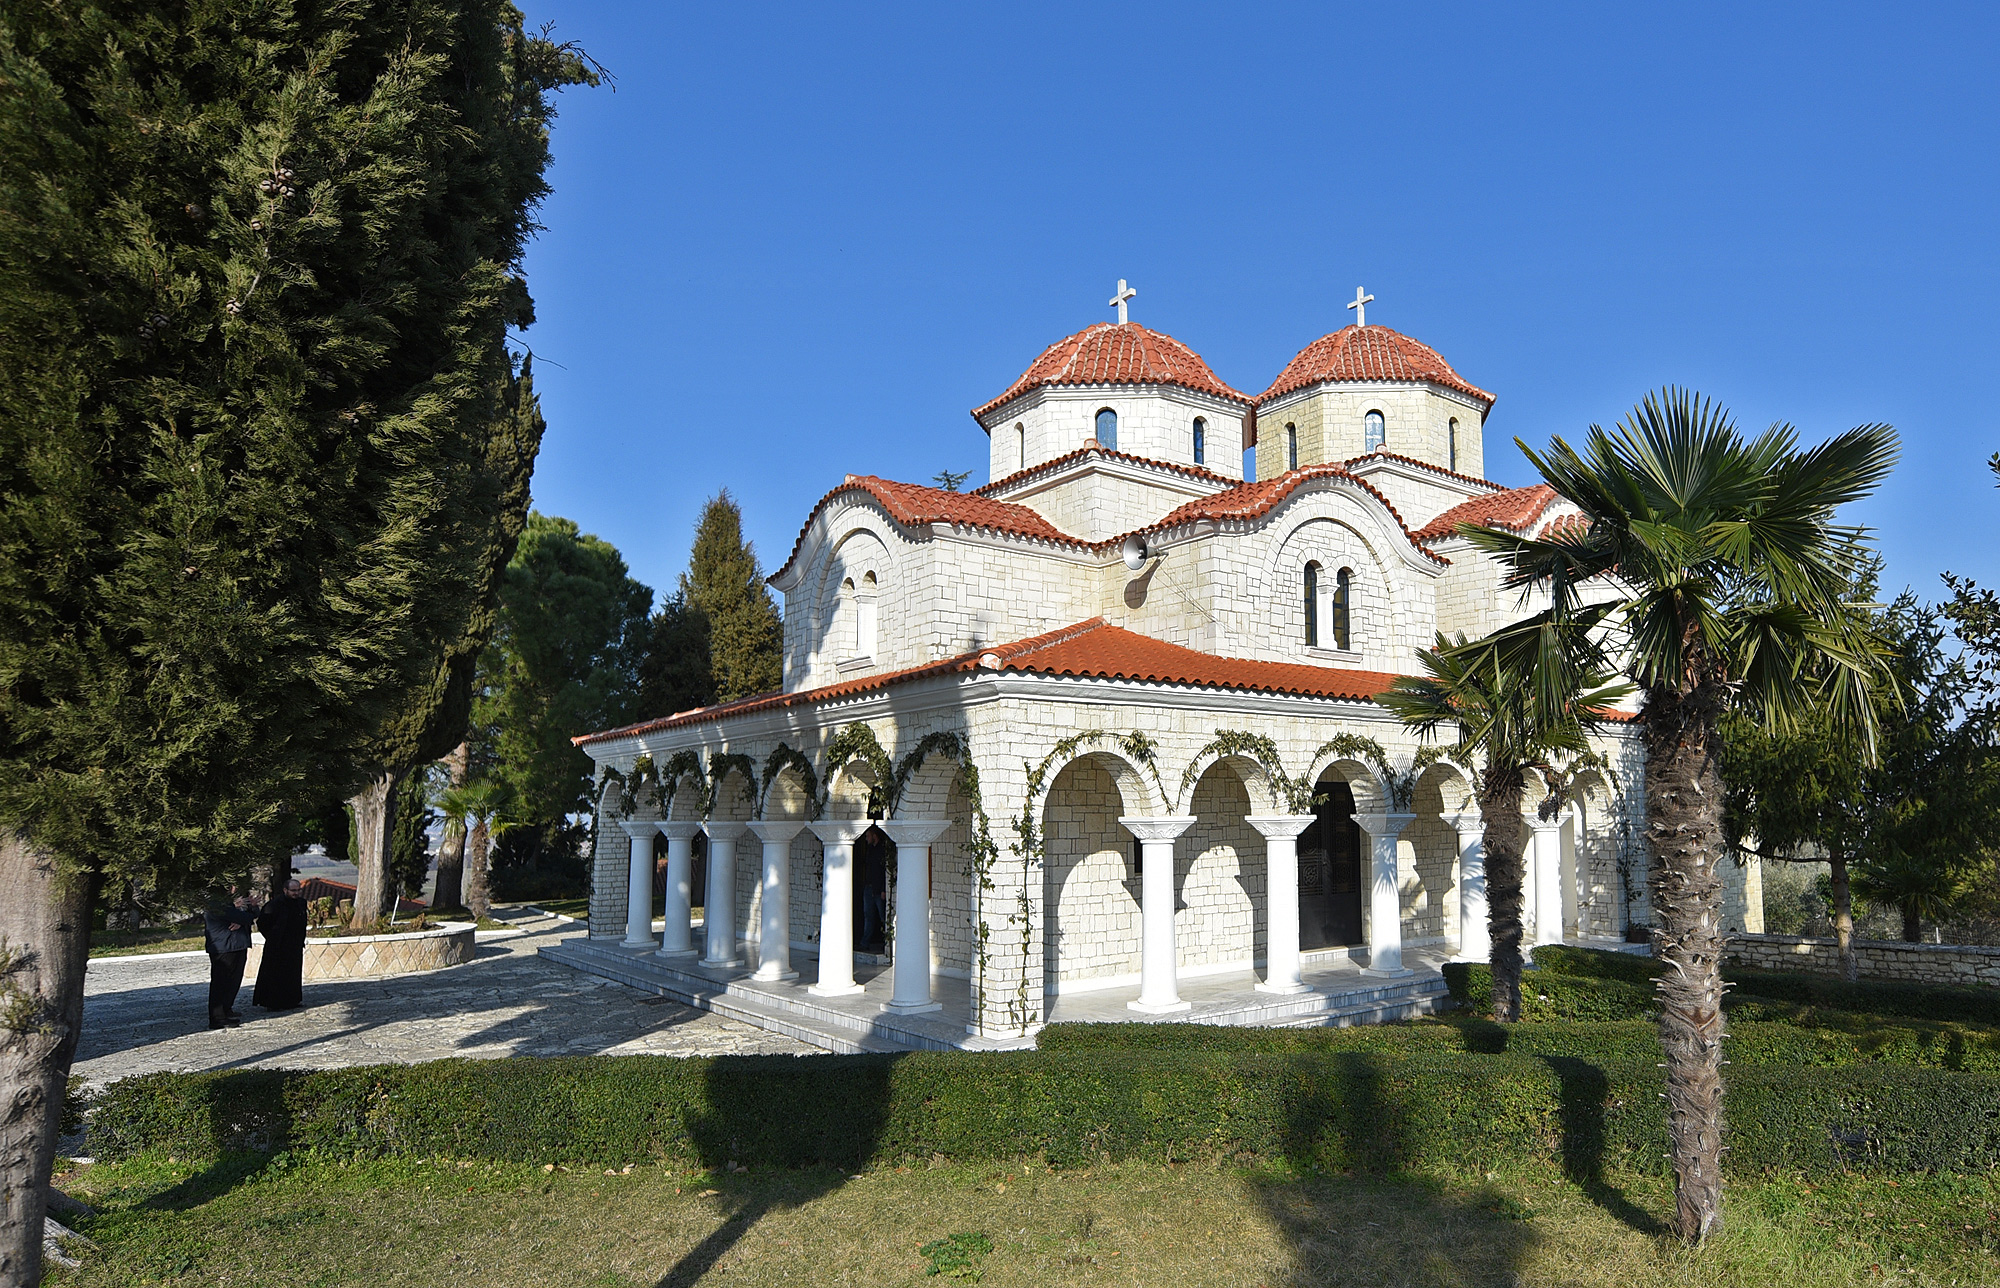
[1385,898]
[836,908]
[1159,989]
[639,888]
[774,932]
[1545,870]
[913,837]
[1281,899]
[1475,942]
[719,900]
[678,938]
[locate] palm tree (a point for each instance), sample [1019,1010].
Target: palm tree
[1503,721]
[474,808]
[1726,578]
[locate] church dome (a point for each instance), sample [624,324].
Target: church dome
[1117,353]
[1368,353]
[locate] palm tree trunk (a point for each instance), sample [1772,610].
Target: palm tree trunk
[476,898]
[451,855]
[44,947]
[1500,807]
[375,831]
[1843,917]
[1913,929]
[1684,797]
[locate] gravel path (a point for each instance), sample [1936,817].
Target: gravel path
[140,1016]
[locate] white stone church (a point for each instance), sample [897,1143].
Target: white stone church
[1142,662]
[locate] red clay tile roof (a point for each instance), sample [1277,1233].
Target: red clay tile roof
[1092,648]
[1117,353]
[1368,353]
[1254,500]
[914,505]
[1515,509]
[1192,471]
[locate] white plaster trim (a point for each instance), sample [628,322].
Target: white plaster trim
[1306,392]
[1344,655]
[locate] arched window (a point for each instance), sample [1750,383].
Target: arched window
[1291,447]
[1451,444]
[865,617]
[1343,600]
[1107,429]
[847,627]
[1200,441]
[1312,605]
[1378,432]
[1021,447]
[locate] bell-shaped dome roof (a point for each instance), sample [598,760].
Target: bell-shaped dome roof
[1117,353]
[1368,353]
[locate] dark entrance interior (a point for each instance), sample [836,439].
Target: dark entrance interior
[698,873]
[873,854]
[1330,872]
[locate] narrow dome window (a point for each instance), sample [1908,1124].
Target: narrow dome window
[1378,432]
[1451,444]
[1312,605]
[1200,441]
[1107,429]
[1343,603]
[1021,446]
[1291,447]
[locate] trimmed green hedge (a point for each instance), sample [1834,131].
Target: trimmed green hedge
[1592,984]
[1829,1040]
[1446,1111]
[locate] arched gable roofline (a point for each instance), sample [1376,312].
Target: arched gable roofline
[1136,789]
[1256,506]
[916,511]
[858,524]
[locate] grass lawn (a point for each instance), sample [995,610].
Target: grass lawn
[403,1222]
[184,936]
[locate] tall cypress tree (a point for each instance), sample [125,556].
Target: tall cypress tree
[257,266]
[726,585]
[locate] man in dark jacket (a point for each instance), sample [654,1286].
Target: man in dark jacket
[228,926]
[279,974]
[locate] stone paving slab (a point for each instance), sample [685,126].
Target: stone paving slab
[145,1015]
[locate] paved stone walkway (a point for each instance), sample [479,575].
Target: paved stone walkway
[143,1016]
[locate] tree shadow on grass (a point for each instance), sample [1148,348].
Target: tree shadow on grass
[1586,1095]
[820,1120]
[246,1116]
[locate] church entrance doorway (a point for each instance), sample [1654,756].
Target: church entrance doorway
[1330,872]
[873,855]
[698,874]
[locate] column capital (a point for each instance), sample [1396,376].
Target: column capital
[1163,827]
[636,828]
[840,831]
[1276,827]
[725,831]
[1390,825]
[915,831]
[1541,824]
[1467,822]
[685,829]
[777,831]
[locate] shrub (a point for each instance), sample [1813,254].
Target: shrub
[1875,996]
[1442,1110]
[1549,995]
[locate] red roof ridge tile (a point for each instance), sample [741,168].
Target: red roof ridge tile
[1425,465]
[1255,499]
[1093,445]
[1092,648]
[1514,509]
[1356,353]
[1117,353]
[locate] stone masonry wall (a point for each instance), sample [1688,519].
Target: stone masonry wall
[1952,964]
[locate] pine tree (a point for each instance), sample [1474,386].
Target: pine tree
[257,267]
[410,853]
[564,661]
[725,584]
[675,674]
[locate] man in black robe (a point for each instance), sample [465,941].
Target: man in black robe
[283,922]
[227,924]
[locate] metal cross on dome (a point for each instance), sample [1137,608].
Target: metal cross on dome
[1360,306]
[1118,301]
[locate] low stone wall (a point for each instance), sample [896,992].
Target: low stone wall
[1876,959]
[366,956]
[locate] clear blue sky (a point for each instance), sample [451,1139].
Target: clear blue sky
[798,243]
